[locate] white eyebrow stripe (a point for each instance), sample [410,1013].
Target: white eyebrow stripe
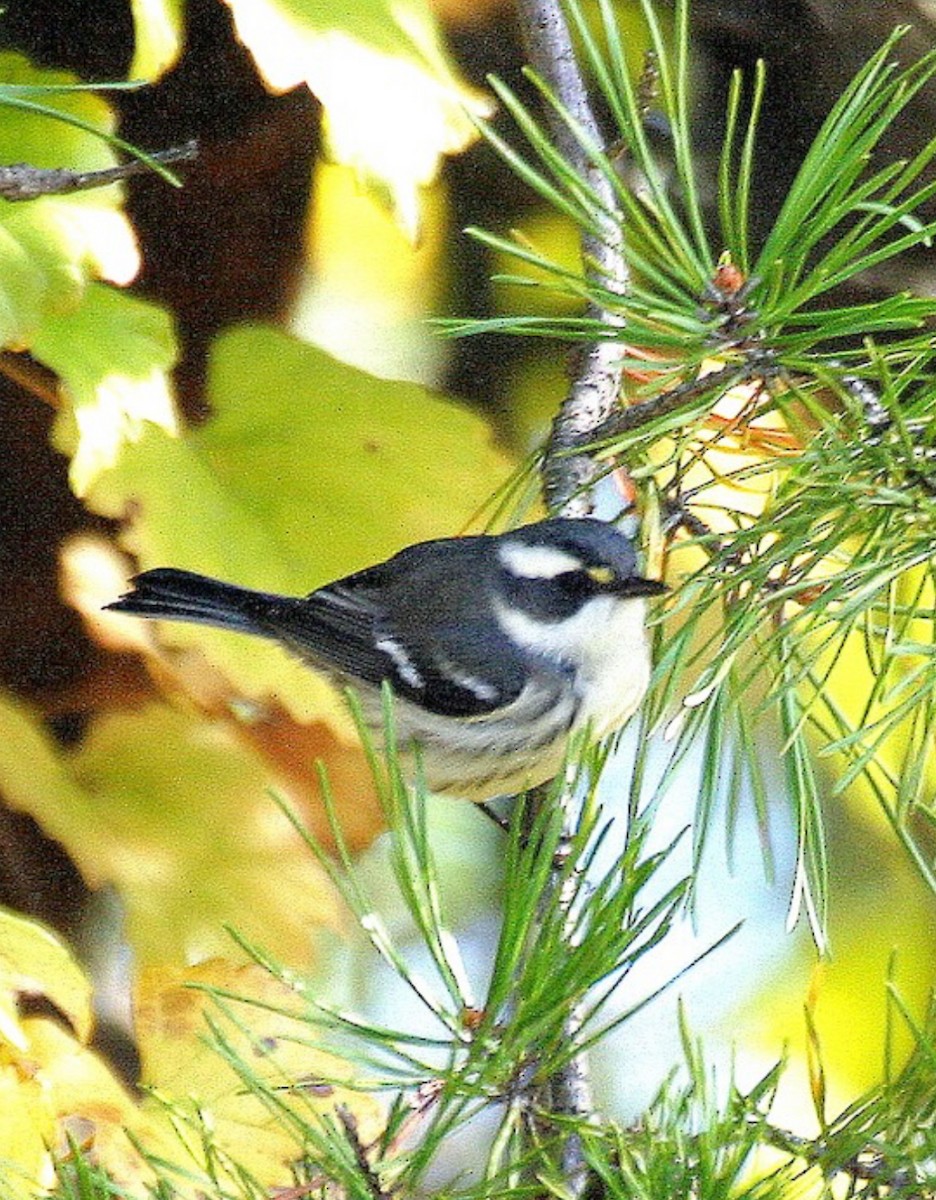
[537,562]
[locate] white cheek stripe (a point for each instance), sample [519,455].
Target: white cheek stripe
[605,645]
[536,562]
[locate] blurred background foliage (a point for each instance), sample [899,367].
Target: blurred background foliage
[278,310]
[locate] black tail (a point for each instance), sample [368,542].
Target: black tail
[186,596]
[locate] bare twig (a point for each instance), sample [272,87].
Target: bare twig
[634,416]
[350,1126]
[31,376]
[23,182]
[569,473]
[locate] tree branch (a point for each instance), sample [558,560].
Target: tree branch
[568,473]
[596,383]
[23,182]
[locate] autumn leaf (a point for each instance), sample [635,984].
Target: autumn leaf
[175,813]
[392,100]
[232,1064]
[112,353]
[52,1086]
[158,34]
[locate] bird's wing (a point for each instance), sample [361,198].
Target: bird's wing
[332,629]
[431,650]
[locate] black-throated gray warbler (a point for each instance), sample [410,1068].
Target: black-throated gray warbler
[497,647]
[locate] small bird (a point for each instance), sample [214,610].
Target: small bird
[497,647]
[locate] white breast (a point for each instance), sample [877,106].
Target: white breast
[605,662]
[606,645]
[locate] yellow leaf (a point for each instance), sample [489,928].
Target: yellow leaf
[51,1084]
[157,27]
[34,962]
[262,1028]
[368,292]
[186,829]
[11,1031]
[393,102]
[87,1103]
[175,813]
[26,1131]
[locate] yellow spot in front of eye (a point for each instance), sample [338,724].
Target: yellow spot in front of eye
[603,576]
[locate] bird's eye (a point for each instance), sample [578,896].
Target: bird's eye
[603,576]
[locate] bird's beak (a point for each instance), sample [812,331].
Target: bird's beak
[638,585]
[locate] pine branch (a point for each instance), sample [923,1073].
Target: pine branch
[569,474]
[744,376]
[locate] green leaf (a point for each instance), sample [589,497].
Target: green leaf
[113,355]
[50,248]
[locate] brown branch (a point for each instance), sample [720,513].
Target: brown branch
[23,182]
[349,1124]
[31,376]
